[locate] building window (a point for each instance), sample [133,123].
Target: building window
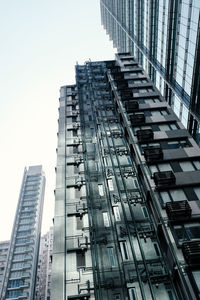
[162,112]
[187,232]
[197,192]
[149,145]
[172,195]
[110,184]
[144,211]
[155,100]
[133,293]
[124,250]
[177,144]
[80,259]
[135,129]
[111,256]
[106,219]
[100,188]
[116,213]
[79,223]
[165,145]
[160,168]
[196,277]
[167,127]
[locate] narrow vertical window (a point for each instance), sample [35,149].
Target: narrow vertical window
[110,184]
[79,223]
[124,251]
[116,213]
[111,257]
[106,219]
[171,297]
[80,259]
[156,249]
[100,187]
[132,294]
[144,210]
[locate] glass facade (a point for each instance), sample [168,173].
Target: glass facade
[20,272]
[163,35]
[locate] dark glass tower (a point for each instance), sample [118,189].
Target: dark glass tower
[20,272]
[163,35]
[127,209]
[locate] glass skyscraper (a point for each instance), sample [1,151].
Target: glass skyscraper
[127,197]
[20,273]
[163,35]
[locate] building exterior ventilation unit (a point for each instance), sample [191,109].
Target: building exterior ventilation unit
[127,198]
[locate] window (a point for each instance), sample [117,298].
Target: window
[111,256]
[196,277]
[100,187]
[160,168]
[117,297]
[172,195]
[106,219]
[162,112]
[150,145]
[155,100]
[144,211]
[187,232]
[190,165]
[167,127]
[124,250]
[177,144]
[133,294]
[166,145]
[197,164]
[110,184]
[79,223]
[135,129]
[116,213]
[197,192]
[144,90]
[187,166]
[80,259]
[75,133]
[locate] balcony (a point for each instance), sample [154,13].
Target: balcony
[178,209]
[164,178]
[16,296]
[21,286]
[153,154]
[144,136]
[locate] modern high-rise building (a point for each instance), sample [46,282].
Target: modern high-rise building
[4,246]
[43,284]
[20,274]
[127,198]
[164,36]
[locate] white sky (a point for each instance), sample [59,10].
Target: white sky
[41,40]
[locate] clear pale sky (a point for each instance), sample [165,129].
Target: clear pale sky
[41,41]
